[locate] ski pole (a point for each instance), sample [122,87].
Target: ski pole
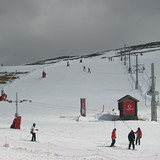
[107,142]
[37,134]
[27,136]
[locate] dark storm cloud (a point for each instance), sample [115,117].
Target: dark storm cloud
[33,30]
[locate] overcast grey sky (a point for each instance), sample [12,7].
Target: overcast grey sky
[33,30]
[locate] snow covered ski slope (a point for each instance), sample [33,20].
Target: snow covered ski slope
[55,108]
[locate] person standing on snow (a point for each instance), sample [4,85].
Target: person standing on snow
[89,70]
[84,68]
[131,138]
[113,136]
[138,135]
[33,132]
[2,91]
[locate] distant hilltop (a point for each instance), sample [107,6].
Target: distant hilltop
[150,45]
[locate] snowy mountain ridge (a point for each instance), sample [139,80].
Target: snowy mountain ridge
[149,46]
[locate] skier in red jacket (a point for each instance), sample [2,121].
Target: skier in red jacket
[113,136]
[138,135]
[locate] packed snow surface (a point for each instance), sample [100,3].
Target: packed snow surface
[53,103]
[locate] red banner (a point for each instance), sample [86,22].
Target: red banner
[129,107]
[83,107]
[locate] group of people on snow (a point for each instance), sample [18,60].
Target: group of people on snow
[84,69]
[110,59]
[131,137]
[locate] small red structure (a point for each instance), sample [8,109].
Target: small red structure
[80,60]
[127,106]
[83,107]
[16,123]
[44,74]
[3,97]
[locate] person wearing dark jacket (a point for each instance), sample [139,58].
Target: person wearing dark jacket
[131,138]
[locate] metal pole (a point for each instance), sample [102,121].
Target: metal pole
[153,100]
[115,120]
[129,70]
[16,114]
[125,58]
[136,85]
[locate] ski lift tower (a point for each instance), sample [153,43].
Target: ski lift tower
[153,94]
[138,68]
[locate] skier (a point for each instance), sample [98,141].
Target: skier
[89,70]
[68,64]
[84,68]
[43,74]
[33,132]
[113,136]
[138,135]
[131,138]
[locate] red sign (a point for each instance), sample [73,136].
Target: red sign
[129,107]
[83,107]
